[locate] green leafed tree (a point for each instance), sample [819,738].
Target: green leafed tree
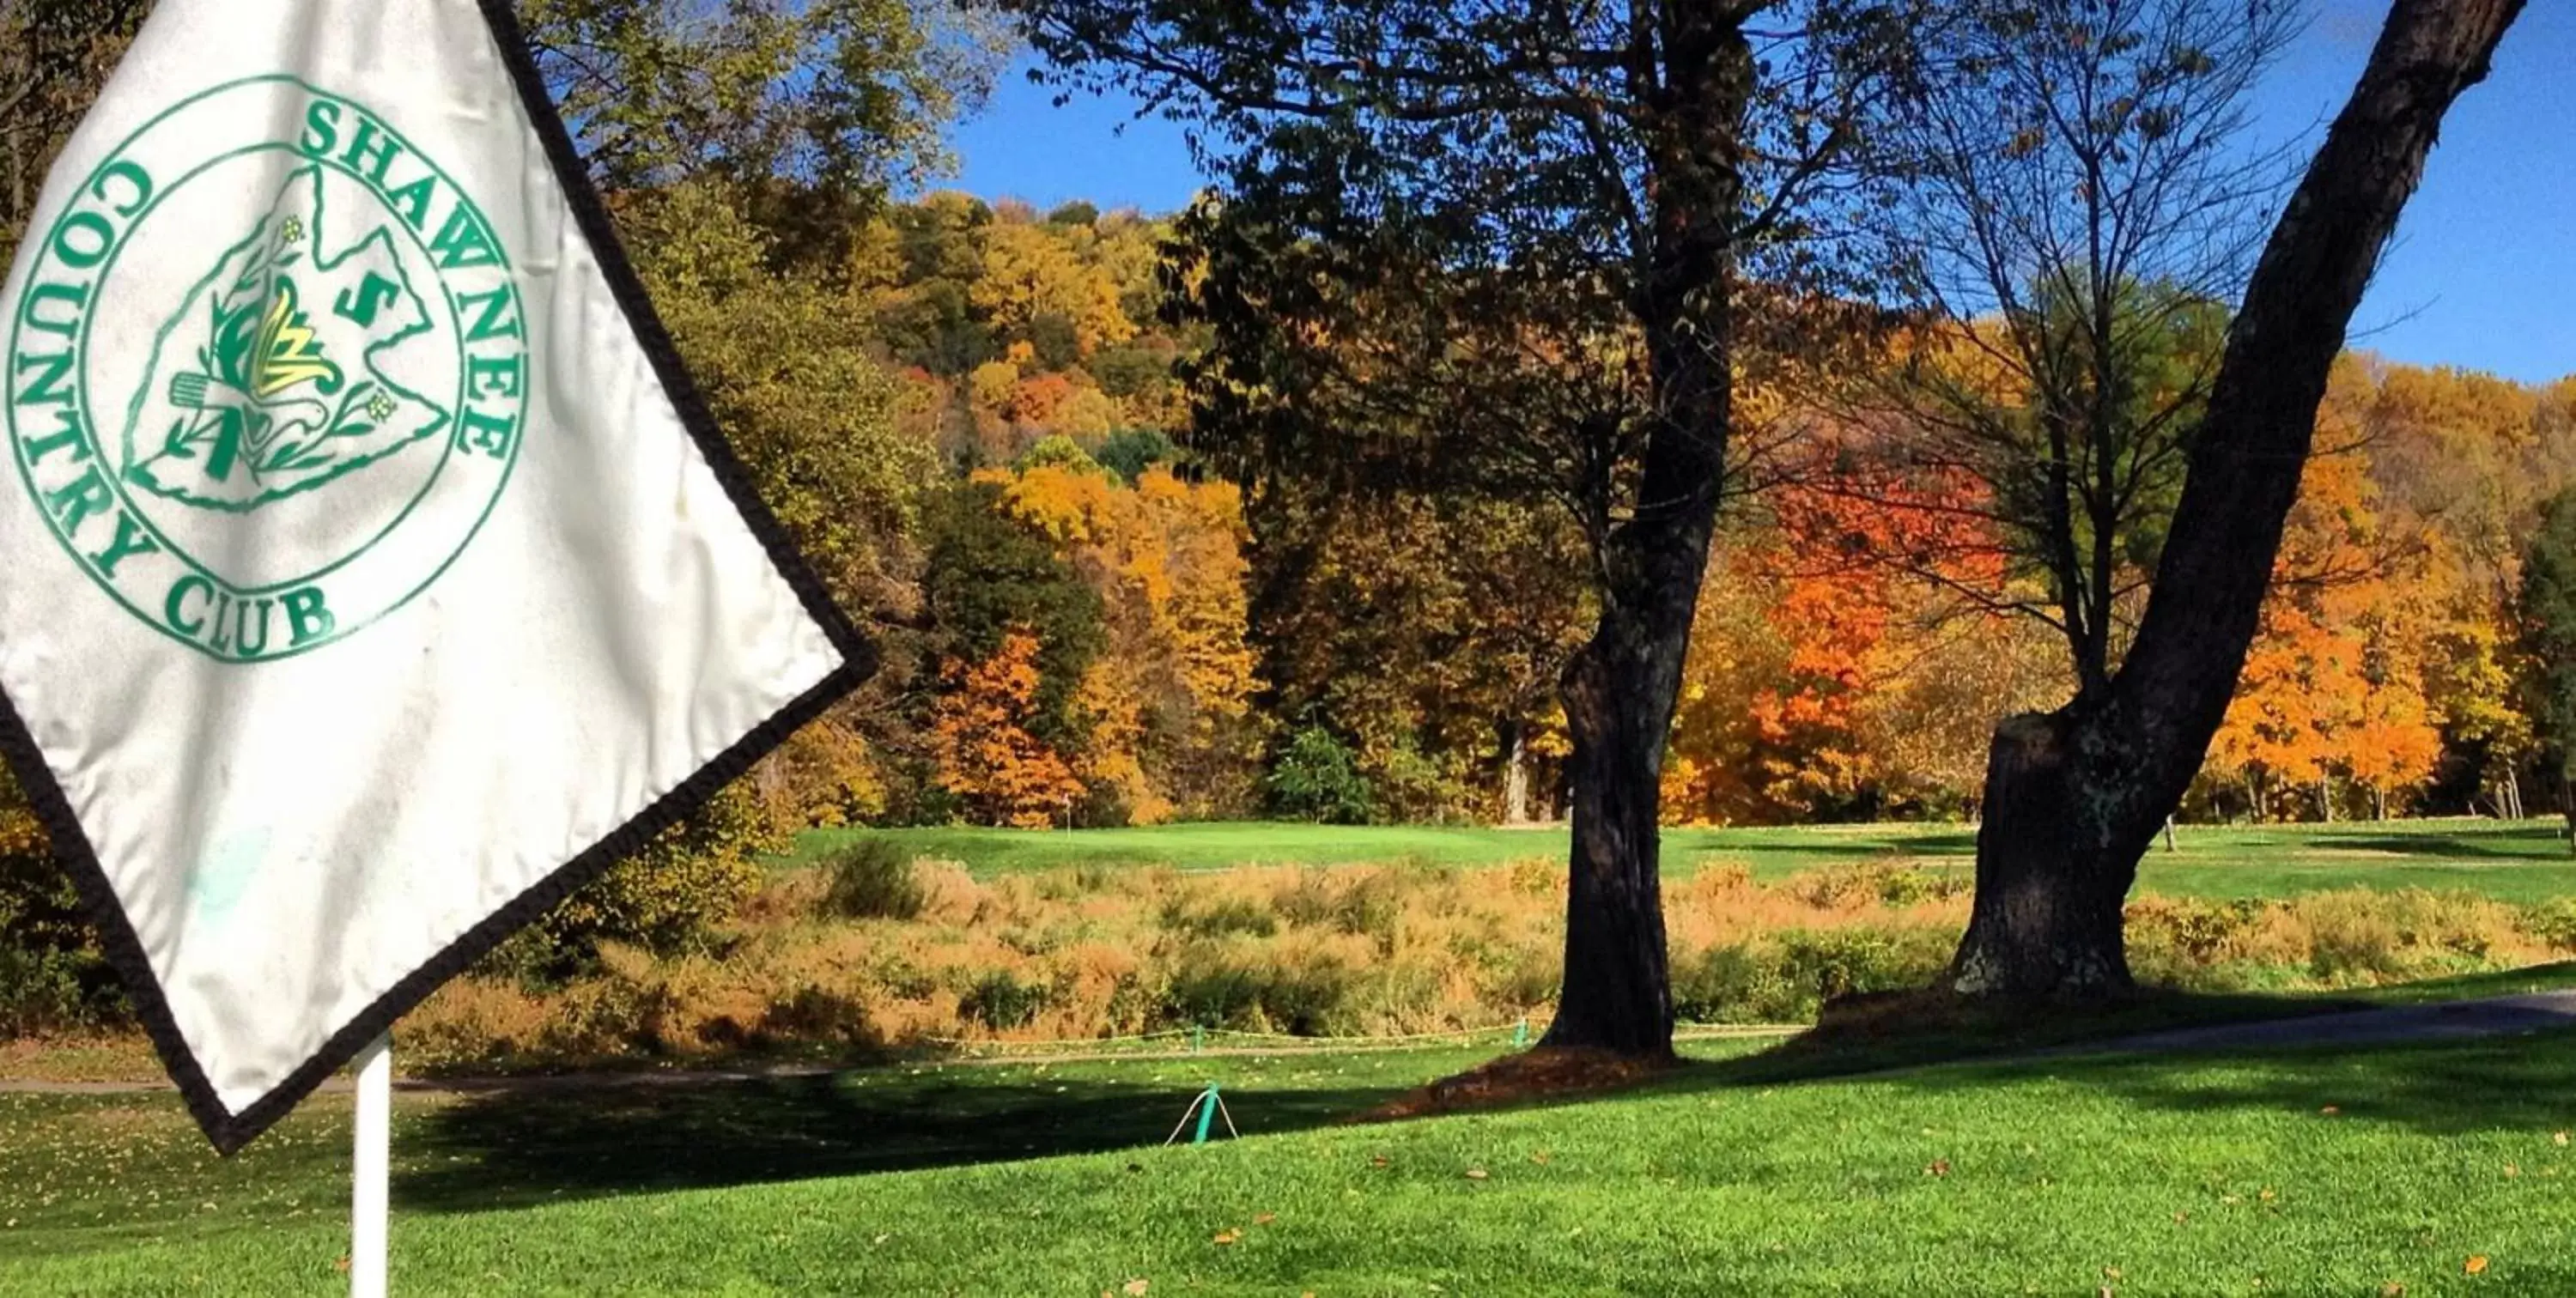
[1518,251]
[808,109]
[2548,604]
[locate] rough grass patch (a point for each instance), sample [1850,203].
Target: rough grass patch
[871,879]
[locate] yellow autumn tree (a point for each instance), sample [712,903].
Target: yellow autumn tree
[987,758]
[1170,700]
[1030,273]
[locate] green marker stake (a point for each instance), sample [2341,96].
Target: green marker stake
[1198,1037]
[1207,1114]
[1520,1035]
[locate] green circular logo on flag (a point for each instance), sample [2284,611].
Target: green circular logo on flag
[268,373]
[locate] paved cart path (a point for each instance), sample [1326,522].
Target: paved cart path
[2496,1016]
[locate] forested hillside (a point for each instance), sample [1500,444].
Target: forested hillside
[975,415]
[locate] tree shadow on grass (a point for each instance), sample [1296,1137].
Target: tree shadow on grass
[2539,844]
[1936,1042]
[2524,1080]
[516,1147]
[513,1148]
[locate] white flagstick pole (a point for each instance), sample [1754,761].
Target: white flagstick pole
[367,1200]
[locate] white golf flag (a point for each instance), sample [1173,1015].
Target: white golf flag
[373,576]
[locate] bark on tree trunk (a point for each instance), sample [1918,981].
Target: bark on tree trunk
[1621,688]
[2325,798]
[2073,798]
[2047,913]
[1617,993]
[2512,792]
[1516,778]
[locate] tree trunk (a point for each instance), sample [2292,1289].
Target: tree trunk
[2512,793]
[1621,687]
[2073,798]
[2325,798]
[2567,808]
[1516,777]
[2169,836]
[2047,913]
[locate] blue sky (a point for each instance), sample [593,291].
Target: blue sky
[2481,276]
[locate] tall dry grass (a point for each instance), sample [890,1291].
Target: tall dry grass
[876,956]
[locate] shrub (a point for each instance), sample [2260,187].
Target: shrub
[1001,1001]
[1305,901]
[1884,882]
[1373,907]
[1209,990]
[1303,994]
[43,990]
[1737,982]
[2552,923]
[53,976]
[812,1013]
[2200,932]
[1219,916]
[1316,777]
[871,879]
[2357,935]
[672,896]
[1826,964]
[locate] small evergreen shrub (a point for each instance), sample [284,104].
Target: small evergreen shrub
[872,879]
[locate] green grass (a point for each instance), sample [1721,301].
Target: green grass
[2184,1176]
[2522,861]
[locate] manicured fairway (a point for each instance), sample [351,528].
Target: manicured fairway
[2522,861]
[2289,1173]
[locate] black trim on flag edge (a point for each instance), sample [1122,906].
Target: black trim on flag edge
[124,949]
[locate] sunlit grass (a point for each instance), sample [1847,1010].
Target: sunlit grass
[2297,1173]
[2519,861]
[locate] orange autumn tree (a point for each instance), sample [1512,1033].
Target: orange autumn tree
[2334,685]
[1762,730]
[1810,690]
[981,741]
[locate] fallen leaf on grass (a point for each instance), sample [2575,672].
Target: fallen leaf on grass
[2331,1110]
[2511,1171]
[2560,1138]
[1379,1160]
[1939,1167]
[2392,1289]
[2476,1265]
[1229,1235]
[1264,1218]
[1135,1288]
[1475,1174]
